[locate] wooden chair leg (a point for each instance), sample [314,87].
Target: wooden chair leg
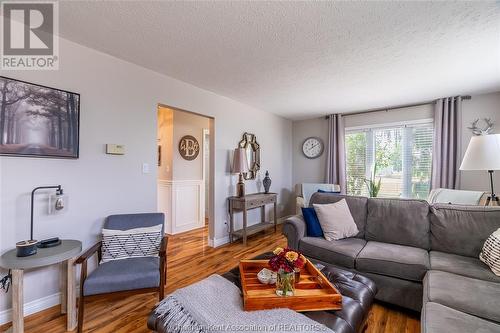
[81,305]
[163,282]
[161,293]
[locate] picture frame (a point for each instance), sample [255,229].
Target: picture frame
[38,121]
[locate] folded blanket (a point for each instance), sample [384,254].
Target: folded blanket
[215,305]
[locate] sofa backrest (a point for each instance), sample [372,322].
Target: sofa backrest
[398,221]
[357,206]
[462,229]
[306,190]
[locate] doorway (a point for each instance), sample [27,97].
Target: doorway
[185,169]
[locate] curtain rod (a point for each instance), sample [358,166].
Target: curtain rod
[467,97]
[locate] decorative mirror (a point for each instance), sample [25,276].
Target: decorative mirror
[252,148]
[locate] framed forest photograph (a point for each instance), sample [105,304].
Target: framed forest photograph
[38,121]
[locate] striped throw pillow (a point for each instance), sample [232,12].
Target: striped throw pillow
[490,254]
[131,243]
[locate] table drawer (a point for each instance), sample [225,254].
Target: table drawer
[260,202]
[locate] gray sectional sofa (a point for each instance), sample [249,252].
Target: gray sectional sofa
[424,258]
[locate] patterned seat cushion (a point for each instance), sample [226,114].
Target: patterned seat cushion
[131,243]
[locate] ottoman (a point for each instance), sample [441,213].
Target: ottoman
[357,292]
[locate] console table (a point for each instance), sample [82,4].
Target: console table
[66,254]
[246,203]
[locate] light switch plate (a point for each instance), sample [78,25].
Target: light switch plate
[114,149]
[145,168]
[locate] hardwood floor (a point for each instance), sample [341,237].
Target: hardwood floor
[191,259]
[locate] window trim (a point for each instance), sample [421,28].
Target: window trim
[412,123]
[381,126]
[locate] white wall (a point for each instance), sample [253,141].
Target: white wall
[307,170]
[480,106]
[119,105]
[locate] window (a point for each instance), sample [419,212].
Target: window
[400,155]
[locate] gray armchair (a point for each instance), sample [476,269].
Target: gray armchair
[144,274]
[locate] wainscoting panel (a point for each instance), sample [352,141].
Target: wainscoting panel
[183,203]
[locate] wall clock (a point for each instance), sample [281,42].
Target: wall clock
[189,147]
[312,147]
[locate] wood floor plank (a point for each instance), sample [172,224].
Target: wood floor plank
[190,259]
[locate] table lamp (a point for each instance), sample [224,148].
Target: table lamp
[29,247]
[483,153]
[240,165]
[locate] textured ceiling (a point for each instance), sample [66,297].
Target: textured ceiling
[302,59]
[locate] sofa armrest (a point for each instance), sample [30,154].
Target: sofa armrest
[294,230]
[299,203]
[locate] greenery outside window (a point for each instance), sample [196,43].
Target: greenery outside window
[400,155]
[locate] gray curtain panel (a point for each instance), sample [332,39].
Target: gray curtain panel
[335,161]
[446,149]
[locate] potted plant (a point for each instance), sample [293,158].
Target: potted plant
[372,185]
[286,262]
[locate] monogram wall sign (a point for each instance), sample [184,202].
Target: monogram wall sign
[189,147]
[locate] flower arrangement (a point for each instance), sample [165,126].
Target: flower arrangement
[287,260]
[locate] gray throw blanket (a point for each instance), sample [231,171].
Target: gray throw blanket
[215,305]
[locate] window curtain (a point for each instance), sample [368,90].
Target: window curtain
[446,145]
[335,162]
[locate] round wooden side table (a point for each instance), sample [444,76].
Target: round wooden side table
[64,254]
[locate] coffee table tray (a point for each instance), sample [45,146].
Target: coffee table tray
[313,291]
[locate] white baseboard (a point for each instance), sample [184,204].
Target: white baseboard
[35,306]
[216,242]
[32,307]
[225,240]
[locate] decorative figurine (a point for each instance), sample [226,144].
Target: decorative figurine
[267,182]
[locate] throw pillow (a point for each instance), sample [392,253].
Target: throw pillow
[131,243]
[490,254]
[336,220]
[313,228]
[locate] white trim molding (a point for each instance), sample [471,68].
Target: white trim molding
[183,203]
[32,307]
[225,240]
[403,123]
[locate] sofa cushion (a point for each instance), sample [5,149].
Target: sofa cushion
[121,275]
[461,265]
[341,252]
[475,297]
[404,262]
[357,206]
[398,221]
[336,220]
[437,318]
[313,227]
[462,229]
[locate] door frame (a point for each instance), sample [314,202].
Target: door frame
[212,185]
